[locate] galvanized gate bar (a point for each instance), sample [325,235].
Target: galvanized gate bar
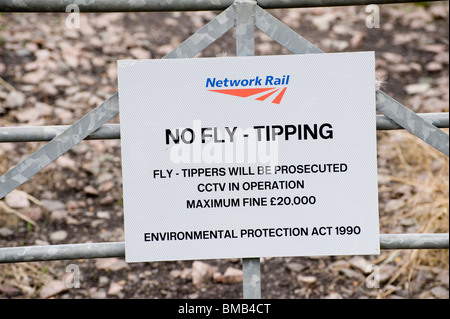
[209,33]
[117,249]
[440,120]
[251,278]
[62,252]
[170,5]
[47,133]
[412,122]
[282,34]
[271,4]
[11,134]
[245,27]
[384,103]
[414,241]
[245,46]
[77,132]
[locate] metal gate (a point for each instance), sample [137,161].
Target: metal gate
[244,15]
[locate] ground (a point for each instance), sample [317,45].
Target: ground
[51,75]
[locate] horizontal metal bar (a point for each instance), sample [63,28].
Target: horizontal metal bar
[62,252]
[414,241]
[440,120]
[113,5]
[279,4]
[172,5]
[112,131]
[47,133]
[117,249]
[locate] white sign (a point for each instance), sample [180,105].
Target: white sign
[249,156]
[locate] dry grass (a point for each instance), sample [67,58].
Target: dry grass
[422,175]
[29,278]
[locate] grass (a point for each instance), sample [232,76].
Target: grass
[423,175]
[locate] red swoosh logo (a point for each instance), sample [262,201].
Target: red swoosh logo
[254,91]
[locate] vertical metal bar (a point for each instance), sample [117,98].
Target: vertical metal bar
[251,278]
[244,15]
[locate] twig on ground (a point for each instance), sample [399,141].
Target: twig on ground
[9,210]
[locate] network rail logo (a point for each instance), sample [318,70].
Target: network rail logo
[261,88]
